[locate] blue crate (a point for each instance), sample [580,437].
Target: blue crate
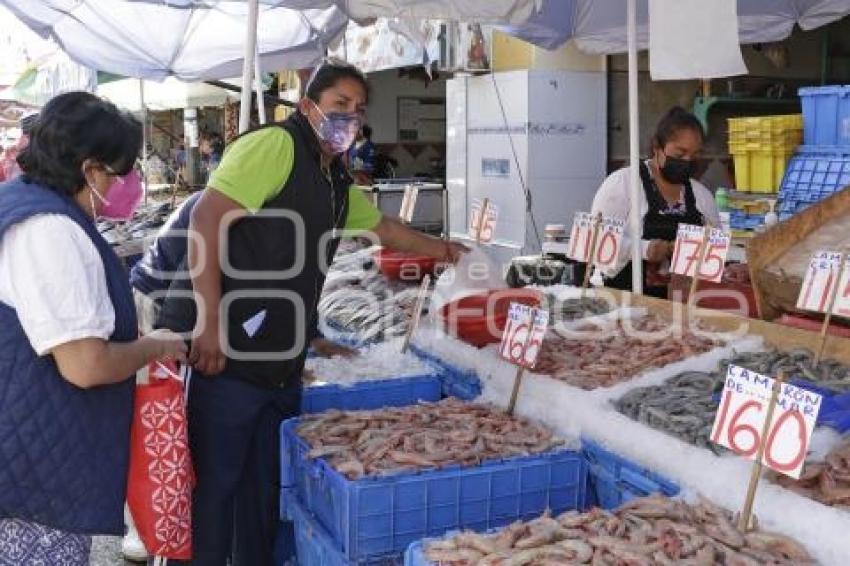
[826,115]
[614,480]
[377,516]
[366,395]
[376,394]
[809,178]
[315,546]
[457,382]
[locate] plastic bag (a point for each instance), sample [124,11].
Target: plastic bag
[476,271]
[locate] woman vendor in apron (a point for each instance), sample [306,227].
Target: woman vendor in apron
[670,197]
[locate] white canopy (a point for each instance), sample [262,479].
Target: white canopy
[482,11]
[599,26]
[155,40]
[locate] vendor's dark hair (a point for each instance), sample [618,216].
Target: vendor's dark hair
[675,120]
[367,131]
[71,128]
[328,73]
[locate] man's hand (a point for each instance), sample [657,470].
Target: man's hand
[206,355]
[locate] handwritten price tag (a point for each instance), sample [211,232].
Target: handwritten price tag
[581,237]
[488,224]
[842,299]
[820,281]
[689,247]
[408,203]
[743,409]
[610,239]
[523,335]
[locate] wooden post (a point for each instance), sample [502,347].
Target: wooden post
[417,312]
[747,512]
[593,241]
[515,393]
[481,216]
[828,318]
[704,247]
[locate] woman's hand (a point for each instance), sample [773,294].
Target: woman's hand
[327,349]
[168,345]
[659,251]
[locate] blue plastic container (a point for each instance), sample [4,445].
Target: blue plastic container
[614,480]
[457,382]
[396,392]
[826,115]
[812,177]
[378,516]
[366,395]
[315,547]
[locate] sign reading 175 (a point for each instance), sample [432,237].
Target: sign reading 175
[692,250]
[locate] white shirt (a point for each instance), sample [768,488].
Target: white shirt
[613,199]
[53,276]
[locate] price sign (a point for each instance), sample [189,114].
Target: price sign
[408,203]
[487,225]
[820,281]
[610,239]
[740,420]
[523,335]
[581,237]
[842,299]
[689,248]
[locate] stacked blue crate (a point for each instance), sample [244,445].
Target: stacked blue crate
[822,165]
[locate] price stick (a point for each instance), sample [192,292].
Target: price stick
[702,251]
[477,218]
[768,421]
[747,512]
[842,297]
[597,222]
[521,342]
[417,312]
[408,203]
[828,318]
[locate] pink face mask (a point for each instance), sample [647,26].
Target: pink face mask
[122,197]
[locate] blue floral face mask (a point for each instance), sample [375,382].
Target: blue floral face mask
[338,129]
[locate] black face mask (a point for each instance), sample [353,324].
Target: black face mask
[677,170]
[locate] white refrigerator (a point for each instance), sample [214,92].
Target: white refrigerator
[542,130]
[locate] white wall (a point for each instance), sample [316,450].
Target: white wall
[385,89]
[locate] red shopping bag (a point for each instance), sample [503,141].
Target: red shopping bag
[160,485]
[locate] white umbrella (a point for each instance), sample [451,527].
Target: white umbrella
[155,40]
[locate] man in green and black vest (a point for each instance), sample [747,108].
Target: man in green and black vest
[264,231]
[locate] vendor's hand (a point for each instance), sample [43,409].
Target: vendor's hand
[206,355]
[168,345]
[327,349]
[452,251]
[659,251]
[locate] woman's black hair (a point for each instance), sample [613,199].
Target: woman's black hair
[367,131]
[675,120]
[71,128]
[328,73]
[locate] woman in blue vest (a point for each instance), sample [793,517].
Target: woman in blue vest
[68,337]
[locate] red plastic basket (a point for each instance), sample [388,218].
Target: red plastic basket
[480,319]
[402,266]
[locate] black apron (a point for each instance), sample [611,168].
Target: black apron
[658,224]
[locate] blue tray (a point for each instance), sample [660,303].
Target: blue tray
[614,480]
[366,395]
[315,547]
[457,382]
[395,392]
[378,516]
